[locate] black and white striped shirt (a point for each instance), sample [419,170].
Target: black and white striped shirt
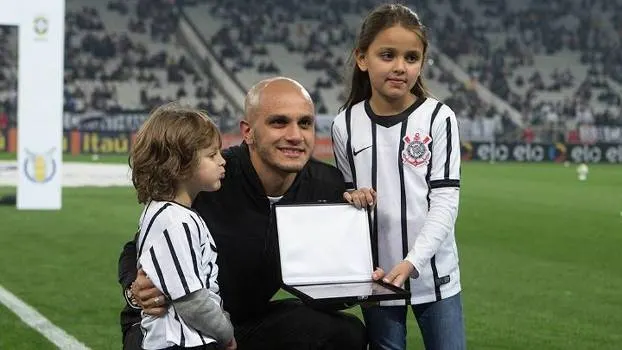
[177,252]
[413,161]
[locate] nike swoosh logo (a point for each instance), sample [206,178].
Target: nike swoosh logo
[361,150]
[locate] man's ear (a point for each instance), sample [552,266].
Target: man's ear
[361,60]
[246,131]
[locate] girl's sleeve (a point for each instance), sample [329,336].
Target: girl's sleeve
[444,190]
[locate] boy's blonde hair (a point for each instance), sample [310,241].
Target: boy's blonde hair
[166,150]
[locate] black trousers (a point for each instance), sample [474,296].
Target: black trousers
[290,325]
[133,338]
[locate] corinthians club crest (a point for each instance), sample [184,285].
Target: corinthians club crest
[416,150]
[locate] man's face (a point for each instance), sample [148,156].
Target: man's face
[282,130]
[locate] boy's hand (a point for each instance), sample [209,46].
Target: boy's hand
[150,299]
[361,198]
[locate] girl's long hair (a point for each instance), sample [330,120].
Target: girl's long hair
[381,18]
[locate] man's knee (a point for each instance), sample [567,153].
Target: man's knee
[346,332]
[295,325]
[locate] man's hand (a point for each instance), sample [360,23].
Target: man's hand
[150,299]
[232,345]
[361,198]
[398,274]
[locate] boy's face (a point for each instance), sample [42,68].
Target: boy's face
[210,171]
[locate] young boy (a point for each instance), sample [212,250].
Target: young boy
[177,155]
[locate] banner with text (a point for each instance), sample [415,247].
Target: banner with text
[541,152]
[120,143]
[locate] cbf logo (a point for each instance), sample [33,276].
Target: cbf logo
[416,150]
[41,26]
[40,167]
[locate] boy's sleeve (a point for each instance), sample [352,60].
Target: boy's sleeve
[340,152]
[201,312]
[172,259]
[444,191]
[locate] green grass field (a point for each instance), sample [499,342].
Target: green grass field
[539,256]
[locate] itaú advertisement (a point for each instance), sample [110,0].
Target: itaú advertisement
[40,105]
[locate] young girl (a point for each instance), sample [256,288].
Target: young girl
[392,137]
[177,155]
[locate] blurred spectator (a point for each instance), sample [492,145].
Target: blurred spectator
[4,121]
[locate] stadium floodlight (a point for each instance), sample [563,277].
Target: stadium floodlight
[41,31]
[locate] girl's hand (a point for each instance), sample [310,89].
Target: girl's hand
[400,273]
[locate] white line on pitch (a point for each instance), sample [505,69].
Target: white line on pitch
[34,319]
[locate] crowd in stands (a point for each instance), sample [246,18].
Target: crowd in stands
[509,44]
[316,30]
[143,56]
[466,29]
[8,77]
[504,46]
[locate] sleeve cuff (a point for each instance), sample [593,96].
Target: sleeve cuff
[126,281]
[444,183]
[129,299]
[418,265]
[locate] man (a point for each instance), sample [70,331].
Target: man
[273,164]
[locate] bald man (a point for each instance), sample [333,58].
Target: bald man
[273,164]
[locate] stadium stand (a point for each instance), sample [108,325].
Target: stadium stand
[123,56]
[556,63]
[290,38]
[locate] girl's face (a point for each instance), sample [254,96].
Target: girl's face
[393,61]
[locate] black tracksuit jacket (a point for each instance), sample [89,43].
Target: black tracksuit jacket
[241,221]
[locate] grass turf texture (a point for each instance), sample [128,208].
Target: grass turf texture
[539,257]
